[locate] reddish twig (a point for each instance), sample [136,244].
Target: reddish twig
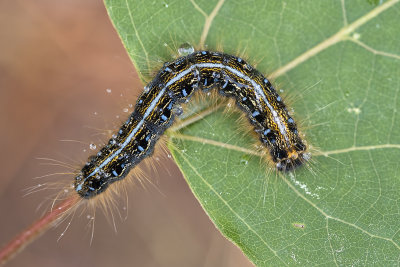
[36,229]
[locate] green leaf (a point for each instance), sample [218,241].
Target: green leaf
[340,63]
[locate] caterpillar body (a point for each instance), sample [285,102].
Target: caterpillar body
[174,84]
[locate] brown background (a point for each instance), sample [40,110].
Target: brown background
[57,58]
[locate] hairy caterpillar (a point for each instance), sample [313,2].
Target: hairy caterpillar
[174,84]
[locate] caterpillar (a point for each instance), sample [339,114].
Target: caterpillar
[159,103]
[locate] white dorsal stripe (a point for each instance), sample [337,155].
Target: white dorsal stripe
[258,91]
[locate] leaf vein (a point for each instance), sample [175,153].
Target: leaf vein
[137,34]
[335,218]
[339,36]
[261,154]
[373,50]
[249,227]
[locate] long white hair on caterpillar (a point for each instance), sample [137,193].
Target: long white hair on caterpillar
[155,111]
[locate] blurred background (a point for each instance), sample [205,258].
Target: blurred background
[64,75]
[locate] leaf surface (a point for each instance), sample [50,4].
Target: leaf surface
[339,63]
